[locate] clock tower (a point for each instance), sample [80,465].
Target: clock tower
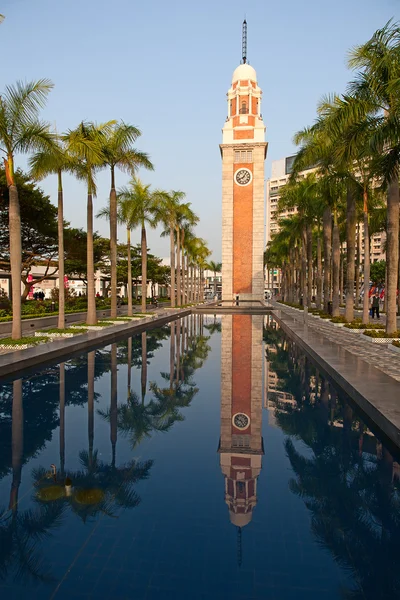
[243,152]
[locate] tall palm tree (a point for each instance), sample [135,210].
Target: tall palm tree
[375,105]
[168,205]
[54,161]
[118,152]
[215,268]
[144,211]
[85,147]
[185,217]
[20,132]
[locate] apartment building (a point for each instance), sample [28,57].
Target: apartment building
[280,173]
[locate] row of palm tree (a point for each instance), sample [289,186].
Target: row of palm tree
[354,147]
[345,476]
[140,206]
[83,152]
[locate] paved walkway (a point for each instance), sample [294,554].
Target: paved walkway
[374,354]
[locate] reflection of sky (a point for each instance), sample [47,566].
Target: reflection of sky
[180,536]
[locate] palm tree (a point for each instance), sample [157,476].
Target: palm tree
[184,215]
[375,104]
[168,205]
[144,210]
[55,160]
[20,132]
[215,268]
[85,147]
[118,152]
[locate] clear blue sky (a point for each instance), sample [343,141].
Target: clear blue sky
[165,66]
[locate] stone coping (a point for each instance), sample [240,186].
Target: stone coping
[60,349]
[372,390]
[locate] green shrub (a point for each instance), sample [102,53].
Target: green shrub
[31,340]
[381,334]
[354,325]
[73,330]
[396,343]
[339,319]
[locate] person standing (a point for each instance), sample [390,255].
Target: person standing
[375,306]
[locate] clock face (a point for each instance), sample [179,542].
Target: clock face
[243,177]
[241,421]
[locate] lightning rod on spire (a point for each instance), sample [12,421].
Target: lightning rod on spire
[244,42]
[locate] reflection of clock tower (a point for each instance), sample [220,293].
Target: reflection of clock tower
[241,443]
[243,152]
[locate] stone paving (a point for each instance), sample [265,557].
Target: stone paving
[374,354]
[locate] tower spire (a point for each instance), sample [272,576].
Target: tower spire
[244,42]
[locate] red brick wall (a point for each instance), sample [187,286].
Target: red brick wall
[243,134]
[241,368]
[242,235]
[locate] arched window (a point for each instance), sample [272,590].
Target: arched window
[244,109]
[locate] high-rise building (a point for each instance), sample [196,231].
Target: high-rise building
[243,152]
[280,173]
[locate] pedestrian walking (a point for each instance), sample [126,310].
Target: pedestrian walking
[375,306]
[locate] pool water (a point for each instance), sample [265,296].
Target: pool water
[207,459]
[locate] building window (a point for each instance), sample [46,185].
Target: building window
[243,156]
[240,441]
[244,110]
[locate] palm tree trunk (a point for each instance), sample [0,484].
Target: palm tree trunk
[172,257]
[192,299]
[15,259]
[129,253]
[144,268]
[319,273]
[129,366]
[351,253]
[91,364]
[367,263]
[341,280]
[17,442]
[392,254]
[62,418]
[113,403]
[310,269]
[172,354]
[327,235]
[61,270]
[178,267]
[91,318]
[113,244]
[303,272]
[357,276]
[144,366]
[335,267]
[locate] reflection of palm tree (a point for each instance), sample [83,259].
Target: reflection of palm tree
[113,402]
[62,418]
[97,488]
[143,377]
[90,376]
[20,531]
[17,443]
[354,504]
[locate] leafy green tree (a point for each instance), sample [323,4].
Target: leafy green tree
[378,271]
[38,230]
[20,132]
[75,243]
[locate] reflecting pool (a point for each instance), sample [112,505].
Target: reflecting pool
[207,459]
